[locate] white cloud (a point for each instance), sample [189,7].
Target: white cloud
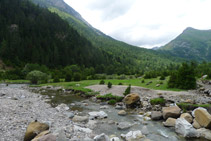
[145,23]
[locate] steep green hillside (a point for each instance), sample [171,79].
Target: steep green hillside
[192,44]
[141,59]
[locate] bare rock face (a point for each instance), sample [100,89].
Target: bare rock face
[173,112]
[187,117]
[170,122]
[33,129]
[203,118]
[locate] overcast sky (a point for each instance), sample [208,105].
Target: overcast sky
[144,23]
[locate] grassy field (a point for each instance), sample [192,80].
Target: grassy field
[133,82]
[17,81]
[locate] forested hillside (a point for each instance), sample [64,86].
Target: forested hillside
[192,44]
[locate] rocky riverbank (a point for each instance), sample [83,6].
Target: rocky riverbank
[19,107]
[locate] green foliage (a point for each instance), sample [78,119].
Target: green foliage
[102,82]
[68,77]
[157,101]
[112,102]
[142,81]
[109,85]
[188,106]
[162,77]
[109,97]
[37,76]
[127,91]
[120,83]
[184,78]
[77,76]
[56,79]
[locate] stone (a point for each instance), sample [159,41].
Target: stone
[132,136]
[92,124]
[196,124]
[156,115]
[41,134]
[123,125]
[158,85]
[33,129]
[48,137]
[114,139]
[148,114]
[69,114]
[62,107]
[122,113]
[193,112]
[173,112]
[104,107]
[80,119]
[187,117]
[184,128]
[204,133]
[81,129]
[145,130]
[170,122]
[203,118]
[101,137]
[131,99]
[97,115]
[146,118]
[145,103]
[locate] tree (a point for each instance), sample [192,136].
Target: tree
[109,85]
[127,91]
[68,77]
[36,76]
[77,76]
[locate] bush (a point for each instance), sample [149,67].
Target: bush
[142,81]
[56,79]
[127,91]
[157,101]
[109,97]
[36,76]
[102,82]
[162,77]
[120,83]
[68,77]
[112,102]
[109,85]
[77,76]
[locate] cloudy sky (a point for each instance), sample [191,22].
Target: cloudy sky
[145,23]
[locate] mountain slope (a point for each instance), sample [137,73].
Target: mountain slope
[142,59]
[192,44]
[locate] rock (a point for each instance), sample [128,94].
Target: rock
[33,129]
[122,113]
[131,99]
[145,103]
[196,124]
[170,122]
[146,118]
[101,137]
[48,137]
[124,125]
[173,112]
[203,118]
[96,115]
[189,101]
[80,119]
[92,124]
[41,134]
[69,114]
[104,107]
[114,139]
[145,130]
[158,85]
[184,128]
[187,117]
[148,114]
[156,115]
[81,129]
[132,136]
[193,112]
[62,107]
[204,133]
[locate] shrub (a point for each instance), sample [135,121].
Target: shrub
[112,102]
[102,82]
[142,81]
[157,101]
[127,91]
[68,77]
[120,83]
[36,76]
[162,77]
[109,85]
[77,76]
[109,97]
[56,79]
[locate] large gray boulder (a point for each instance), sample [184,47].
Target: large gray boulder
[124,125]
[204,133]
[184,128]
[173,112]
[156,115]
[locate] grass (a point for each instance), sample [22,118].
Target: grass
[110,97]
[157,101]
[17,81]
[188,106]
[133,82]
